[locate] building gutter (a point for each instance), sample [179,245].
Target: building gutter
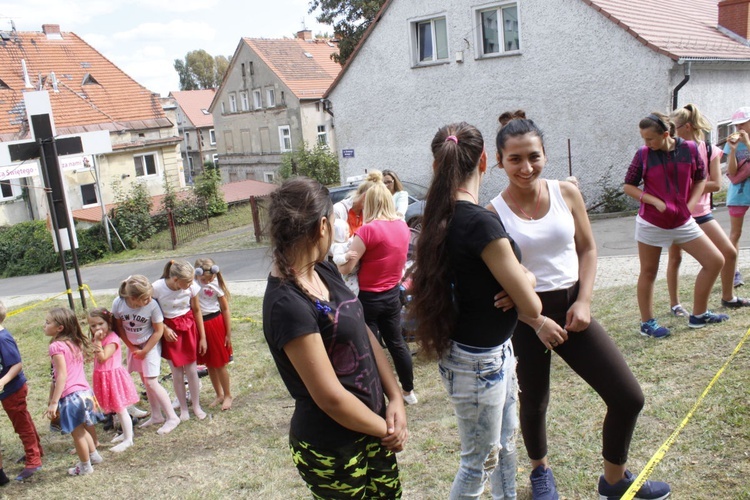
[676,91]
[687,61]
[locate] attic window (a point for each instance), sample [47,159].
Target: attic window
[308,55]
[205,112]
[3,85]
[89,80]
[85,65]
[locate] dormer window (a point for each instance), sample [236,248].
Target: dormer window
[3,85]
[89,80]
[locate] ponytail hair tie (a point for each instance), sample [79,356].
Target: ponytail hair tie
[199,270]
[452,138]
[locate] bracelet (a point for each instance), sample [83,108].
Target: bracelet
[541,326]
[640,200]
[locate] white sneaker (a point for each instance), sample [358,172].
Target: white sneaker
[411,398]
[80,470]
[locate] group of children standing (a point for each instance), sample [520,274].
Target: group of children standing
[183,317]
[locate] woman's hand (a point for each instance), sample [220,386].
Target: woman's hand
[551,334]
[395,420]
[578,317]
[503,301]
[169,334]
[228,341]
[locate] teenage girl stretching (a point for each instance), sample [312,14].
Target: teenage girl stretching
[70,396]
[217,322]
[113,386]
[140,324]
[184,336]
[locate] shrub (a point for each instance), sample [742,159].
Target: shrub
[318,163]
[132,217]
[26,248]
[208,190]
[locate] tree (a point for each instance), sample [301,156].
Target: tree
[200,70]
[349,18]
[318,163]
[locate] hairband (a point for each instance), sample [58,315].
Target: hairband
[199,270]
[658,120]
[452,138]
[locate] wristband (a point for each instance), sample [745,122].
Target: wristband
[541,326]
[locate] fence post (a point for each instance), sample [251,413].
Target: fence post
[256,218]
[206,214]
[172,231]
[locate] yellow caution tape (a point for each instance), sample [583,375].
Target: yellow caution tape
[66,292]
[662,451]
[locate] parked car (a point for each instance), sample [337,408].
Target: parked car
[417,194]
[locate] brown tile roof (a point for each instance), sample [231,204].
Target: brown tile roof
[192,102]
[675,28]
[113,101]
[307,77]
[233,193]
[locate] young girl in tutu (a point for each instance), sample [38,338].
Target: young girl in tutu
[184,337]
[70,396]
[113,387]
[214,302]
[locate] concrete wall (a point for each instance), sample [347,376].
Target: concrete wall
[577,75]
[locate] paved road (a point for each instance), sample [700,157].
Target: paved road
[614,238]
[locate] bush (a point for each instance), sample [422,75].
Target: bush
[26,248]
[132,217]
[319,163]
[208,191]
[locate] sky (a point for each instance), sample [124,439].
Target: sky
[144,37]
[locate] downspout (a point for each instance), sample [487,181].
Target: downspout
[676,91]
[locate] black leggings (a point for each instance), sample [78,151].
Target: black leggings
[383,316]
[596,359]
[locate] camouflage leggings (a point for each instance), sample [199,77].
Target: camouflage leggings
[363,469]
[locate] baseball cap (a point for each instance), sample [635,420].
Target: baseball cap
[742,115]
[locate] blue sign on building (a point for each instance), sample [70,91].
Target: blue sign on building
[347,153]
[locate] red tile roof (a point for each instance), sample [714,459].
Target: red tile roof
[111,101]
[193,102]
[307,77]
[233,192]
[675,28]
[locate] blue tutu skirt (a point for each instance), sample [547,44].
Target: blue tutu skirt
[78,408]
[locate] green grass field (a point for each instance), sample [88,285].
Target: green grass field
[243,453]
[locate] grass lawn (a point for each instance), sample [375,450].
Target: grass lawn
[243,453]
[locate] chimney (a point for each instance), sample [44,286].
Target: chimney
[734,15]
[53,31]
[307,34]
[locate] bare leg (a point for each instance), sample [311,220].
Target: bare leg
[716,234]
[81,440]
[711,261]
[673,274]
[735,230]
[613,473]
[216,383]
[649,258]
[225,386]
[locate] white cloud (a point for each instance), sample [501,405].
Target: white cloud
[177,29]
[29,15]
[180,6]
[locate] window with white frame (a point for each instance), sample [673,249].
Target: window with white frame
[145,165]
[223,108]
[245,101]
[285,138]
[498,29]
[88,194]
[6,190]
[215,159]
[431,40]
[232,103]
[270,98]
[257,102]
[212,137]
[322,135]
[268,176]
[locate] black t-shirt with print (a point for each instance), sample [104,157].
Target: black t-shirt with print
[480,323]
[288,314]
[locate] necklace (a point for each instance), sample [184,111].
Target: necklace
[518,205]
[467,192]
[317,290]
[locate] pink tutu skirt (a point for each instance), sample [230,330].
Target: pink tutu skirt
[114,389]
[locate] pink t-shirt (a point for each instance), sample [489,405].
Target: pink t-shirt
[114,361]
[76,378]
[386,245]
[703,207]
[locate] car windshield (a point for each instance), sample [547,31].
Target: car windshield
[415,190]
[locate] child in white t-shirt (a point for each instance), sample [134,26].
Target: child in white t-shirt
[340,251]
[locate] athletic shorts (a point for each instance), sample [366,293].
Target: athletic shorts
[647,233]
[702,219]
[150,366]
[737,211]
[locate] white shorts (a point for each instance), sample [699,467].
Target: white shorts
[647,233]
[150,366]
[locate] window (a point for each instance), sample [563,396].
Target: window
[285,139]
[223,108]
[268,177]
[215,159]
[432,40]
[243,69]
[6,190]
[145,165]
[245,101]
[212,137]
[322,135]
[270,98]
[252,70]
[232,103]
[190,165]
[283,100]
[187,140]
[257,102]
[722,132]
[88,194]
[498,29]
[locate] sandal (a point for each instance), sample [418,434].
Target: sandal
[679,312]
